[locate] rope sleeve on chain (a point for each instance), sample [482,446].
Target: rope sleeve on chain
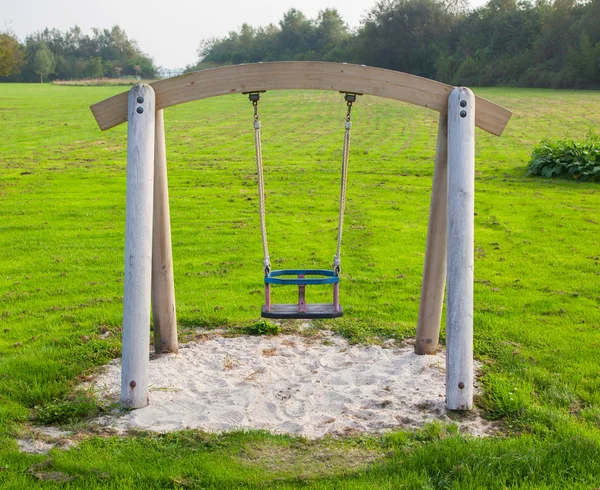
[261,185]
[350,98]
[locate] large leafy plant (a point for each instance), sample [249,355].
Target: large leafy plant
[577,160]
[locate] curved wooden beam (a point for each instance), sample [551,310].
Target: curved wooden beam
[303,75]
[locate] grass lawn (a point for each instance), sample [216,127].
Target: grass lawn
[537,290]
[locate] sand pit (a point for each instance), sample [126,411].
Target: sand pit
[289,384]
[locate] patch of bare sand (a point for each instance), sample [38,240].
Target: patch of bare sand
[39,440]
[292,385]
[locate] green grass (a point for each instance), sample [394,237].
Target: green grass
[537,291]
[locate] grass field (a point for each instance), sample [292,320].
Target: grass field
[537,291]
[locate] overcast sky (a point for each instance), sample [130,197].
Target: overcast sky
[168,30]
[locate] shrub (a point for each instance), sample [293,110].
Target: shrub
[579,160]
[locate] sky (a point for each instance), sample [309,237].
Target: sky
[167,30]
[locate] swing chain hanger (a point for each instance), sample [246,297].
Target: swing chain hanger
[350,98]
[254,97]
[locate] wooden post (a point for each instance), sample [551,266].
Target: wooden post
[434,269]
[163,286]
[461,208]
[138,247]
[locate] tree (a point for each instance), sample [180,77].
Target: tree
[331,33]
[407,35]
[43,62]
[94,68]
[78,55]
[296,36]
[12,55]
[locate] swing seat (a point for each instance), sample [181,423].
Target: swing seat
[313,311]
[301,310]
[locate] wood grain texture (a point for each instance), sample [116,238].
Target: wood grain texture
[138,247]
[434,268]
[302,75]
[461,208]
[163,286]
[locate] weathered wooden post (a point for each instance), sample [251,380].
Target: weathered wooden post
[461,208]
[434,269]
[138,247]
[163,286]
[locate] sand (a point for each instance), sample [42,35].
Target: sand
[291,385]
[40,440]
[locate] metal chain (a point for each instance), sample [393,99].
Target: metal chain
[254,98]
[350,98]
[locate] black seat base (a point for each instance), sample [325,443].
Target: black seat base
[313,311]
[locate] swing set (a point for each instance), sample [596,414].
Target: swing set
[301,310]
[449,254]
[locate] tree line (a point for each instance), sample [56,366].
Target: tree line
[539,43]
[72,55]
[504,42]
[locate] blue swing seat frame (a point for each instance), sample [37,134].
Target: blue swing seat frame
[302,310]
